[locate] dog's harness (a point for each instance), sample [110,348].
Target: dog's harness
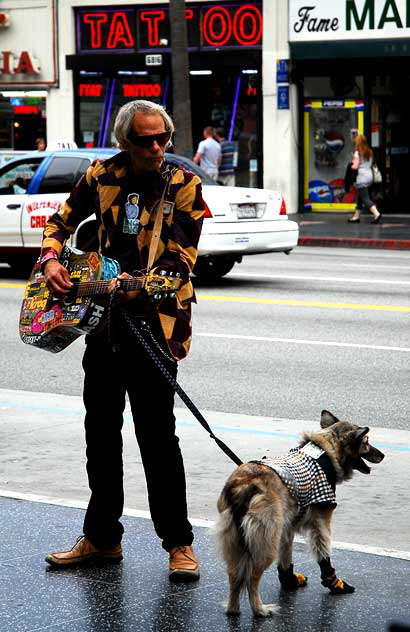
[308,474]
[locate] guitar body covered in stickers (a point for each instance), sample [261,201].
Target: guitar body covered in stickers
[52,324]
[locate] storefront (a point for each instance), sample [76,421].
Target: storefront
[28,69]
[124,53]
[350,62]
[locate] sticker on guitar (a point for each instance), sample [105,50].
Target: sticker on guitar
[52,324]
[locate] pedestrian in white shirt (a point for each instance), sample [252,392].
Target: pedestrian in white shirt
[208,154]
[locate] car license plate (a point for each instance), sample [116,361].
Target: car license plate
[246,211]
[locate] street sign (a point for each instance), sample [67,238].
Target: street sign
[153,60]
[282,71]
[283,97]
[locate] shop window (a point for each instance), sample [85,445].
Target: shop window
[16,178]
[100,99]
[63,174]
[231,103]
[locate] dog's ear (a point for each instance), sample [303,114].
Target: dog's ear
[327,419]
[360,433]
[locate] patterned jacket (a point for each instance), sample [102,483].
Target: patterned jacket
[99,191]
[301,471]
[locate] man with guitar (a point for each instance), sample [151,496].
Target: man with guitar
[162,239]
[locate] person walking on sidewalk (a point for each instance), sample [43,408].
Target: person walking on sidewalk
[229,150]
[143,130]
[362,163]
[208,154]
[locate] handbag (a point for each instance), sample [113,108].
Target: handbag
[377,176]
[350,177]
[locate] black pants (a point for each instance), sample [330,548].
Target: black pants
[108,376]
[363,198]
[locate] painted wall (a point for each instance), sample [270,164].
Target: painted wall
[280,132]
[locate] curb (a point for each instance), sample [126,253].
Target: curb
[355,242]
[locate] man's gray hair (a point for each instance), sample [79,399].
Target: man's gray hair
[125,116]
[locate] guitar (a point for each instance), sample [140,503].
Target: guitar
[52,324]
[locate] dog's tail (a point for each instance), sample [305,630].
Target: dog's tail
[247,532]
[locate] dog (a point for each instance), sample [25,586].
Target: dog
[264,503]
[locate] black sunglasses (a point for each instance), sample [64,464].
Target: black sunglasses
[146,141]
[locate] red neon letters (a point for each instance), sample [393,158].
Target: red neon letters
[95,20]
[90,89]
[246,26]
[119,34]
[26,109]
[219,26]
[153,18]
[141,90]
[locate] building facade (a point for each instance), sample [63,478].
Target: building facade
[350,64]
[28,70]
[122,52]
[291,82]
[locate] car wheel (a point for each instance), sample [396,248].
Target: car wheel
[212,268]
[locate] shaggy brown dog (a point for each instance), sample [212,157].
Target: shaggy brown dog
[264,503]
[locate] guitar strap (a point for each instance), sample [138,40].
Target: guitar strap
[156,231]
[172,381]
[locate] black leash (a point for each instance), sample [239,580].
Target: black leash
[187,401]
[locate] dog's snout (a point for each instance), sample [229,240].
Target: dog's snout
[374,455]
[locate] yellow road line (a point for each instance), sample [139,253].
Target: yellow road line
[269,301]
[19,286]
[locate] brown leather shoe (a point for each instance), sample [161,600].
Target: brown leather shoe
[82,553]
[183,565]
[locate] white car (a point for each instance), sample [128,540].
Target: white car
[240,221]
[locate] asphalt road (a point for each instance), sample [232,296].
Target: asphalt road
[280,336]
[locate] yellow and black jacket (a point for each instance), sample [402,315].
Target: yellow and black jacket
[101,191]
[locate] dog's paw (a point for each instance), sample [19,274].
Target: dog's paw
[290,580]
[266,610]
[231,610]
[342,588]
[337,586]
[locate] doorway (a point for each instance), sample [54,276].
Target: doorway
[390,139]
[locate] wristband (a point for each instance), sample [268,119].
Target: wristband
[47,257]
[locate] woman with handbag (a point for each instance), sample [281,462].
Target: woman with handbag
[362,163]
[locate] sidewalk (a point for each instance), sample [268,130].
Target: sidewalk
[136,595]
[333,229]
[43,494]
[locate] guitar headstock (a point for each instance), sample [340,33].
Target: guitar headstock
[162,283]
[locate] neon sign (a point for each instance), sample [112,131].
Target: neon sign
[26,109]
[90,89]
[141,90]
[143,29]
[243,26]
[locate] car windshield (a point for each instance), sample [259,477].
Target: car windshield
[192,166]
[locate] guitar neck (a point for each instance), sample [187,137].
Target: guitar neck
[93,288]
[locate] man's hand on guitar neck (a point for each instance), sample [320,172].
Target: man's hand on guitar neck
[57,278]
[122,296]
